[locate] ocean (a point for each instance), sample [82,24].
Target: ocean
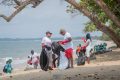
[19,50]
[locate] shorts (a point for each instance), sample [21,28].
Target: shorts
[68,53]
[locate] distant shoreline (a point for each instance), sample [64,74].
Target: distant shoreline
[55,38]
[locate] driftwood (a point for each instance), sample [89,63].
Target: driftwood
[19,7]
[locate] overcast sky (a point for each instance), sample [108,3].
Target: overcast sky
[49,15]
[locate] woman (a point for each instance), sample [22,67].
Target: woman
[88,47]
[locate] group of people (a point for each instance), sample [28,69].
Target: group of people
[66,43]
[86,48]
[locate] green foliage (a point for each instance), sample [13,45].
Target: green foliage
[118,31]
[90,27]
[113,5]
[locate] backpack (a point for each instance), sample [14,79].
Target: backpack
[4,69]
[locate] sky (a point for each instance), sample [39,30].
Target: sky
[50,15]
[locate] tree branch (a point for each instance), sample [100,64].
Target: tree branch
[17,2]
[99,25]
[18,9]
[107,11]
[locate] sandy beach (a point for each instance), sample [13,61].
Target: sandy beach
[105,67]
[59,40]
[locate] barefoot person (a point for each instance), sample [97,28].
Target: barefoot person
[68,46]
[46,44]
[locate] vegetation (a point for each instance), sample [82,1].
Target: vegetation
[104,15]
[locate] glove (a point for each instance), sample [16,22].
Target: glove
[63,42]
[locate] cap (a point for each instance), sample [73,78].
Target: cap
[48,32]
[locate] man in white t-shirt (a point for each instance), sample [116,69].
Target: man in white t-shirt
[46,43]
[68,46]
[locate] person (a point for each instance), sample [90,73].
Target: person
[80,52]
[8,67]
[34,59]
[46,44]
[68,46]
[78,49]
[57,49]
[88,44]
[29,62]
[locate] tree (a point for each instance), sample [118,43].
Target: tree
[19,6]
[109,13]
[95,19]
[96,10]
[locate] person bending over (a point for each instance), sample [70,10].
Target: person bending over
[68,46]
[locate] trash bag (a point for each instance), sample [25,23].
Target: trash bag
[44,61]
[81,59]
[63,61]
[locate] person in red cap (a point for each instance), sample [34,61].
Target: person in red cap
[46,43]
[68,46]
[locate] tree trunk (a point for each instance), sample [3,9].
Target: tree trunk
[118,2]
[107,11]
[111,34]
[99,25]
[20,8]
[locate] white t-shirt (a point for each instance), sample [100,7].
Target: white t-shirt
[89,43]
[34,57]
[69,44]
[47,41]
[88,48]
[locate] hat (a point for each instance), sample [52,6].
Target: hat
[9,61]
[48,32]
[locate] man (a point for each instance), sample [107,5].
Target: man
[46,44]
[68,46]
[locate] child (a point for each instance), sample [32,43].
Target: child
[35,59]
[29,61]
[78,49]
[8,67]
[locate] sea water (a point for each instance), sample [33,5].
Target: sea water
[20,49]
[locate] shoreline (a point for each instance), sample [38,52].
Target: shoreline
[86,70]
[95,63]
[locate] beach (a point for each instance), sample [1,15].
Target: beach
[105,67]
[102,70]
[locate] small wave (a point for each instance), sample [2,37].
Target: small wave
[15,60]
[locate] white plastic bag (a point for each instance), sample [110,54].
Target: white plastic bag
[63,61]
